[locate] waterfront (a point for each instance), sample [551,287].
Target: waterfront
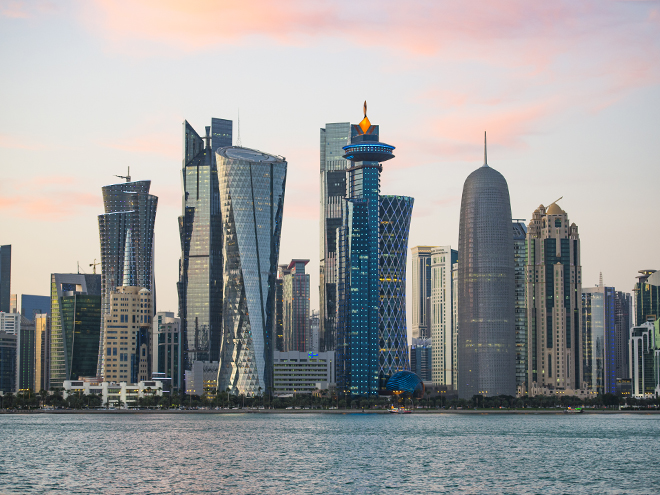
[316,453]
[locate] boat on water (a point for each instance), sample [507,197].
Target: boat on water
[400,410]
[573,410]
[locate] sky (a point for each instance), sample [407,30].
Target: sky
[569,92]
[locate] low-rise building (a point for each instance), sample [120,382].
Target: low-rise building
[114,394]
[166,355]
[302,372]
[202,378]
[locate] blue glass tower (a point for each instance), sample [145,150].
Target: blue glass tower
[358,255]
[395,213]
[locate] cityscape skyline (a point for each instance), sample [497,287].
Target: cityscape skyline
[600,140]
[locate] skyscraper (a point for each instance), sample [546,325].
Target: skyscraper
[599,339]
[554,304]
[66,348]
[421,355]
[10,330]
[278,319]
[519,263]
[394,216]
[643,359]
[167,347]
[42,352]
[623,322]
[333,190]
[295,290]
[5,277]
[26,354]
[252,187]
[421,292]
[441,314]
[486,284]
[34,305]
[128,208]
[647,296]
[358,304]
[200,229]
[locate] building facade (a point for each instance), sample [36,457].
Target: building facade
[34,305]
[333,190]
[442,315]
[554,302]
[5,278]
[644,360]
[313,344]
[394,217]
[358,284]
[130,215]
[252,187]
[421,359]
[42,352]
[599,339]
[128,340]
[302,372]
[200,229]
[167,348]
[10,344]
[295,301]
[520,263]
[64,287]
[486,287]
[26,354]
[202,378]
[421,292]
[623,314]
[647,296]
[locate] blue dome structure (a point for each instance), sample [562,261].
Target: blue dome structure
[406,382]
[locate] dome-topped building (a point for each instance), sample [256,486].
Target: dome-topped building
[486,320]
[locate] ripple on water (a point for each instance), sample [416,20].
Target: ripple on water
[327,454]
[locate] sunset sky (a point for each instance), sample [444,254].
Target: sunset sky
[569,92]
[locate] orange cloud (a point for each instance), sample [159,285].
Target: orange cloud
[157,144]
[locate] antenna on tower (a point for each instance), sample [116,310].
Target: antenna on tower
[238,139]
[600,283]
[485,150]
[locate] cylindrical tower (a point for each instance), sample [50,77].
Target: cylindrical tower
[252,199]
[486,284]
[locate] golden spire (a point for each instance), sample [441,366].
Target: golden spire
[365,124]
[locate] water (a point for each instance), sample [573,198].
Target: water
[329,454]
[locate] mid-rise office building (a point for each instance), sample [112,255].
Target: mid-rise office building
[5,278]
[421,292]
[74,296]
[200,229]
[302,372]
[554,303]
[520,263]
[358,284]
[421,359]
[486,287]
[442,315]
[333,190]
[295,296]
[42,352]
[394,217]
[202,378]
[26,354]
[644,357]
[252,199]
[278,318]
[127,335]
[10,328]
[166,354]
[34,305]
[126,228]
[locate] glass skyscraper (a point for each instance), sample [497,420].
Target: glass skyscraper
[441,317]
[421,292]
[333,191]
[519,262]
[200,230]
[75,322]
[5,277]
[647,296]
[395,213]
[295,306]
[252,187]
[128,208]
[358,287]
[486,337]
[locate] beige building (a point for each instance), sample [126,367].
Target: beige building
[127,336]
[554,303]
[42,352]
[421,292]
[441,320]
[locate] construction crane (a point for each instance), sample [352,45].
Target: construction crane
[94,265]
[128,179]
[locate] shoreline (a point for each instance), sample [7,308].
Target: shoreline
[479,412]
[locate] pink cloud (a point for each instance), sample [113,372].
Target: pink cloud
[45,198]
[157,144]
[14,142]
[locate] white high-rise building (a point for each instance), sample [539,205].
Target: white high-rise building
[441,314]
